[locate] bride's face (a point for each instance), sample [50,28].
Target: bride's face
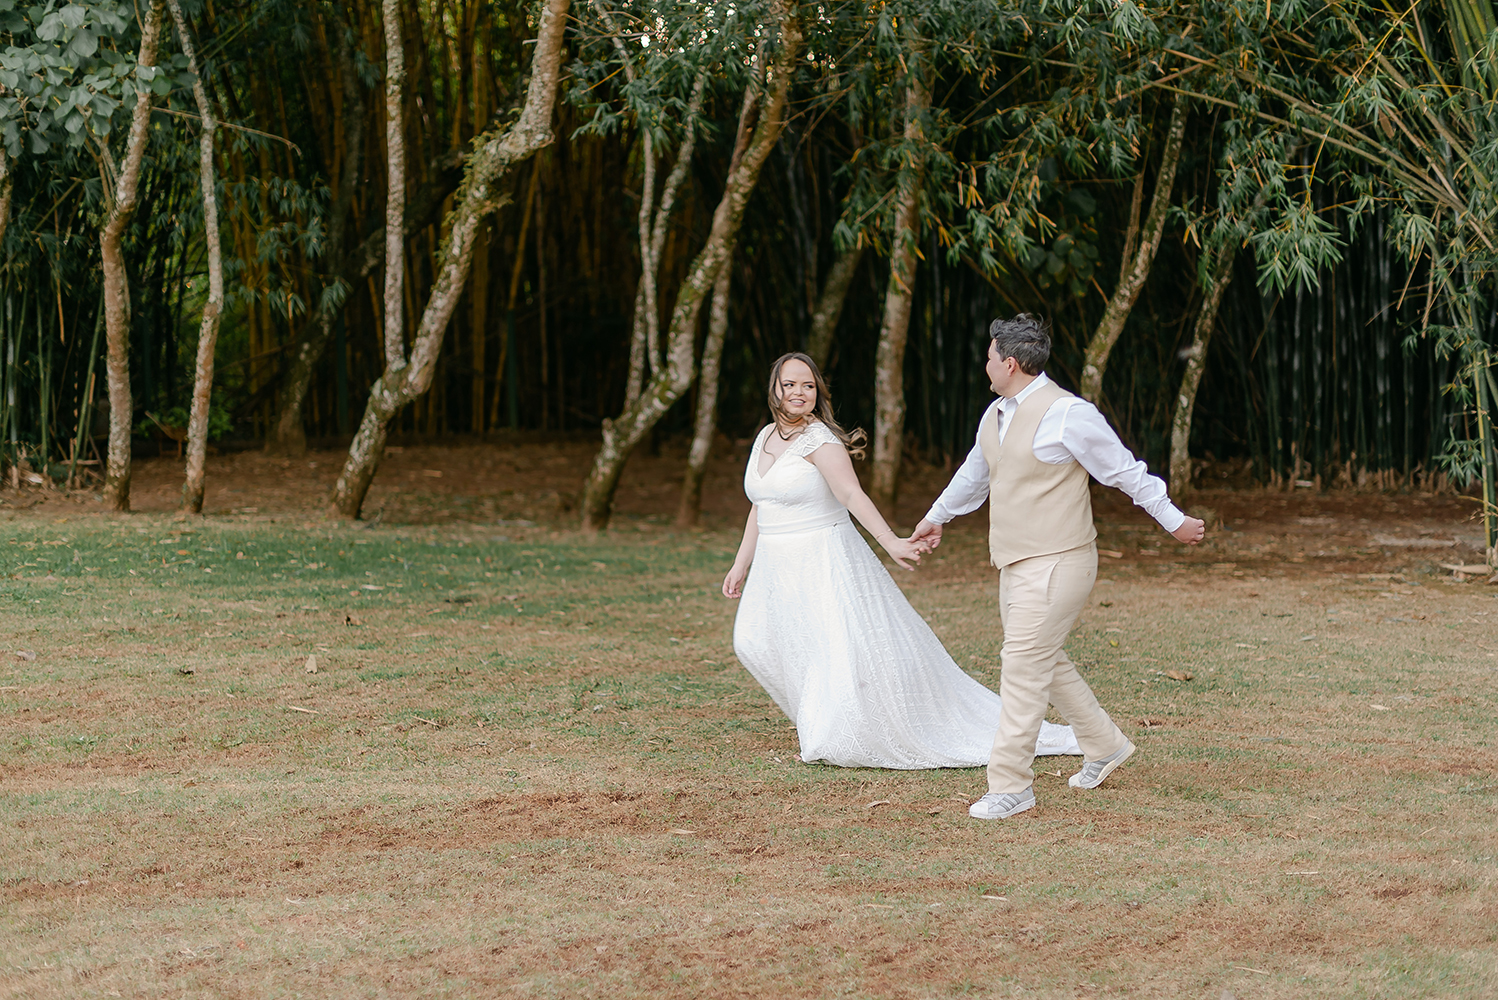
[797,389]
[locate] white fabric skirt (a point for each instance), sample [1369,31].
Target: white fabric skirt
[823,627]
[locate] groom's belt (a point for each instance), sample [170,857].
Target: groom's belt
[804,524]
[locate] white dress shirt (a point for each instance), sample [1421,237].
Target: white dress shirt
[1072,429]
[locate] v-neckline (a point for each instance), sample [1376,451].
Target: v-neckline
[774,459]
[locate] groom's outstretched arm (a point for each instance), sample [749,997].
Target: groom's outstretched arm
[963,495]
[1086,434]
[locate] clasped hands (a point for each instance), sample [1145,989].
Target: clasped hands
[927,536]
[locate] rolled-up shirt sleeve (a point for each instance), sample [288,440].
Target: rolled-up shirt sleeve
[1086,434]
[968,488]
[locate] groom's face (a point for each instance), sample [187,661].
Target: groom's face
[1001,370]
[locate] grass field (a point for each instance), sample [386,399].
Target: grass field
[528,765]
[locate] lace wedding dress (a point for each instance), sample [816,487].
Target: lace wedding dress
[823,627]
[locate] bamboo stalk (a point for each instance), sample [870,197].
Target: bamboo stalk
[86,411]
[509,363]
[44,387]
[1481,376]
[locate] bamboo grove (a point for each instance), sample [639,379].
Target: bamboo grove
[1263,233]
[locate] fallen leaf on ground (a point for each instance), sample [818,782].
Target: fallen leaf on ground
[877,802]
[1110,553]
[677,831]
[1381,708]
[311,666]
[25,654]
[1178,675]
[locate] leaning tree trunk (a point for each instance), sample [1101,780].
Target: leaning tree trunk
[707,399]
[1196,361]
[289,436]
[1136,266]
[479,195]
[202,387]
[121,207]
[830,305]
[889,360]
[667,386]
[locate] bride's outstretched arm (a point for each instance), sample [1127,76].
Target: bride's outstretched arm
[733,583]
[832,461]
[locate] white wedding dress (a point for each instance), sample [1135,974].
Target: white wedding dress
[823,627]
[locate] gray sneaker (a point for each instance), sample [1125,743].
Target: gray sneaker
[1094,771]
[1002,805]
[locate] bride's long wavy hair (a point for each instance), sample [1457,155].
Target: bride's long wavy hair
[853,440]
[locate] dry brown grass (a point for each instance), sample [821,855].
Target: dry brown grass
[534,769]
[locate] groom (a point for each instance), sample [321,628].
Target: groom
[1037,445]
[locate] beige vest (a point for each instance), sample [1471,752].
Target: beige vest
[1034,508]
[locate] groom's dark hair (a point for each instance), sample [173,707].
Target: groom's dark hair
[1025,339]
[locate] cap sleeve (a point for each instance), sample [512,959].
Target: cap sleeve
[814,437]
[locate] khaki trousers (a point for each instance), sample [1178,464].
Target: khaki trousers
[1039,601]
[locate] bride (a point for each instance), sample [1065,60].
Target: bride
[823,627]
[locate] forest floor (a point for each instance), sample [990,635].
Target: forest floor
[466,751]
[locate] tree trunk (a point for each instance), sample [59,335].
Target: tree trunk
[830,305]
[1196,361]
[889,361]
[1136,268]
[667,386]
[121,207]
[479,195]
[202,388]
[706,423]
[395,189]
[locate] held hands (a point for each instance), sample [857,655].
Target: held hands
[902,549]
[927,535]
[1191,531]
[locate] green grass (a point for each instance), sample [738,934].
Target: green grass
[529,764]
